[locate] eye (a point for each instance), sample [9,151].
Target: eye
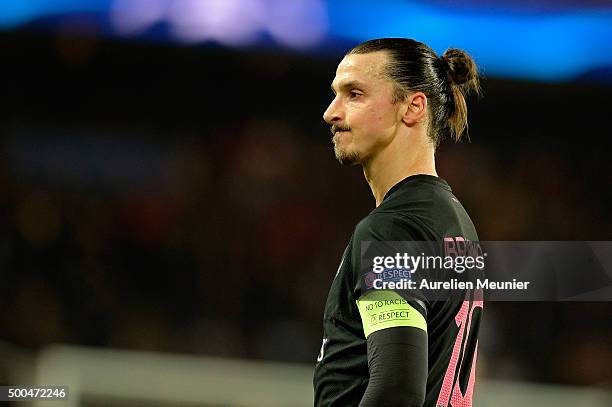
[353,94]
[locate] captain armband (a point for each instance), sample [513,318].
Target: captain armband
[383,309]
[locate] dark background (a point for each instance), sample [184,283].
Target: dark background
[187,200]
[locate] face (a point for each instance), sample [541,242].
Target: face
[362,116]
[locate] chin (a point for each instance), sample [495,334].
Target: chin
[347,157]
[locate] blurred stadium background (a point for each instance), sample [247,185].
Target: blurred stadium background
[171,214]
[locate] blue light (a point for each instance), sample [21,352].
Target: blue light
[539,46]
[549,46]
[16,12]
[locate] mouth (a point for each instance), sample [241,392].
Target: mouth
[338,133]
[338,130]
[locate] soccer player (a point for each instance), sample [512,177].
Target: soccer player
[395,100]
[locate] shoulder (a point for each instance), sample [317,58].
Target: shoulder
[388,226]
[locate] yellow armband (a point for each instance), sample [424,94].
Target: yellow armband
[381,309]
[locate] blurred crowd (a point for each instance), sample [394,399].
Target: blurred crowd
[223,239]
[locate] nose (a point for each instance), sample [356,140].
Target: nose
[333,113]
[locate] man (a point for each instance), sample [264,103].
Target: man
[395,100]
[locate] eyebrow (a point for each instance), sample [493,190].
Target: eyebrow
[350,84]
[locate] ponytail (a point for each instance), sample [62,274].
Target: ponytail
[463,76]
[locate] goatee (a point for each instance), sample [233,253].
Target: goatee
[346,158]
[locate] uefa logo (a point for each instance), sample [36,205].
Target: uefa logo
[369,279]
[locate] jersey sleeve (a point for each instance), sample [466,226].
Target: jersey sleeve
[386,308]
[397,358]
[397,363]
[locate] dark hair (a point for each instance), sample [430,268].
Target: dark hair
[446,80]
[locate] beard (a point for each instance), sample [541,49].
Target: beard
[345,157]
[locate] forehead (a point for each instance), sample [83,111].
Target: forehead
[363,68]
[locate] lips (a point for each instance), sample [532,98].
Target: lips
[335,130]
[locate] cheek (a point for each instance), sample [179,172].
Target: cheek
[384,112]
[379,118]
[371,121]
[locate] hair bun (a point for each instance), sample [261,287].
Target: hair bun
[461,67]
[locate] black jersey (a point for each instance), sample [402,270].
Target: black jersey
[419,208]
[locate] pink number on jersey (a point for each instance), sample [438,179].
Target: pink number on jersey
[457,399]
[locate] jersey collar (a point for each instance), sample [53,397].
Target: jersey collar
[415,179]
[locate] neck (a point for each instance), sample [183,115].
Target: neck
[394,164]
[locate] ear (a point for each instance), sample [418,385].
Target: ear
[414,108]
